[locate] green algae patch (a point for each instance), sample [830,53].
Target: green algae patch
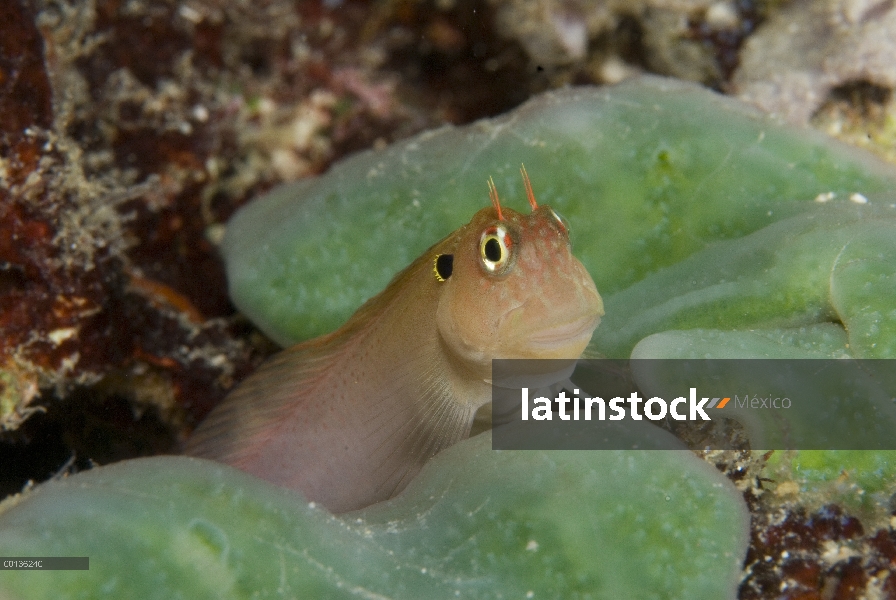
[828,404]
[475,524]
[862,482]
[647,173]
[834,265]
[654,524]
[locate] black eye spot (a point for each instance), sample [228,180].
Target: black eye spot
[443,265]
[493,250]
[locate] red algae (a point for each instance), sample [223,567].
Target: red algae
[128,137]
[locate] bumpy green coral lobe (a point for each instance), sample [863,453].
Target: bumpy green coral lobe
[647,173]
[832,264]
[475,524]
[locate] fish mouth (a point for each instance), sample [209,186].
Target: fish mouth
[567,334]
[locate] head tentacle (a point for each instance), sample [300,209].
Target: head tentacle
[528,185]
[493,194]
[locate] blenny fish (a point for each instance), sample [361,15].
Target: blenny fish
[347,419]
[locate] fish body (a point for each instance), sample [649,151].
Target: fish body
[348,418]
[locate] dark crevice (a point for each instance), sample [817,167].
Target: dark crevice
[86,428]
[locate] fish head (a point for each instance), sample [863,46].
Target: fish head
[514,290]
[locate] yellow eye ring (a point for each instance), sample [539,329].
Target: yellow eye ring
[494,249]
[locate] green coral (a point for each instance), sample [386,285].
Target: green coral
[831,264]
[475,524]
[690,210]
[648,173]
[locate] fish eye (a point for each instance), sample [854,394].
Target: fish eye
[442,266]
[494,248]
